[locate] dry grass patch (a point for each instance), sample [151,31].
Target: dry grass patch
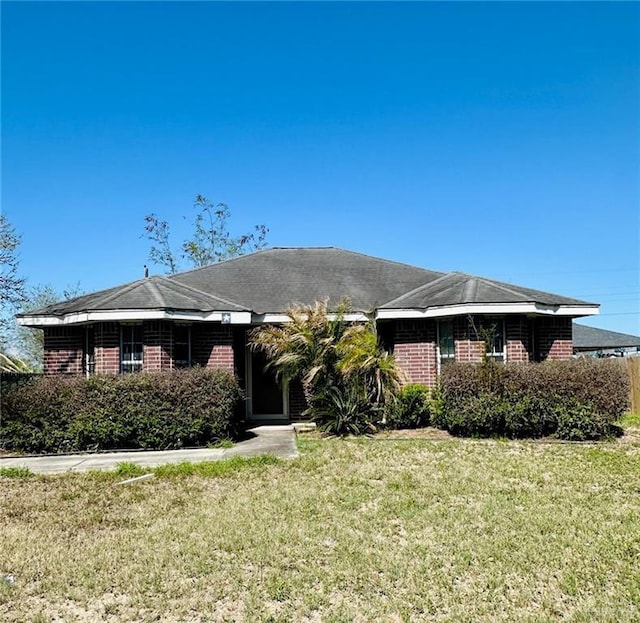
[353,530]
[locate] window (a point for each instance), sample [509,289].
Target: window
[492,331]
[89,358]
[446,344]
[130,348]
[181,346]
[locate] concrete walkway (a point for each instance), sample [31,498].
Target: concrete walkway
[274,440]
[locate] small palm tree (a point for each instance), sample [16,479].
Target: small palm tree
[362,360]
[305,347]
[13,364]
[342,367]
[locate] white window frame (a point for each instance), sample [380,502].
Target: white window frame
[449,358]
[134,364]
[498,355]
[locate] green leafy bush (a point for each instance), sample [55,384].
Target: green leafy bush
[411,409]
[152,411]
[581,423]
[577,399]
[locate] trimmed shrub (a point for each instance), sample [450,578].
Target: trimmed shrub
[577,399]
[152,411]
[581,423]
[411,409]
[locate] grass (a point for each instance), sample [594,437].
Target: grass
[630,420]
[375,529]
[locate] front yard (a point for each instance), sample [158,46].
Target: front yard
[382,529]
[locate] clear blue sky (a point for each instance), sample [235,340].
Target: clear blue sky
[497,139]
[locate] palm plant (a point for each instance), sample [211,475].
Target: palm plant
[363,361]
[13,364]
[304,347]
[346,376]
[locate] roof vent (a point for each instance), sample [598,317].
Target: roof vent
[146,271]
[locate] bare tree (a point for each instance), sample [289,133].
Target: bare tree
[210,241]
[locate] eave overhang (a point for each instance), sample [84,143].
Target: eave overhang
[491,309]
[133,315]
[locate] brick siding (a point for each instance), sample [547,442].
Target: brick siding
[297,401]
[107,348]
[158,346]
[517,330]
[63,348]
[554,338]
[415,351]
[467,345]
[212,346]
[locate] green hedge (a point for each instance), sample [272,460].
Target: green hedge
[152,411]
[411,408]
[577,399]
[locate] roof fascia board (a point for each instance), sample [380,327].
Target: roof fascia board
[272,318]
[134,315]
[490,308]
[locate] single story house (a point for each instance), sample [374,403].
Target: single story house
[202,317]
[590,340]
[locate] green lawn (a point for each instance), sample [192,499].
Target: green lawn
[376,529]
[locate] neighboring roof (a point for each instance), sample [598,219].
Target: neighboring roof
[270,281]
[590,338]
[267,282]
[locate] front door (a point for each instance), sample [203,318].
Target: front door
[267,398]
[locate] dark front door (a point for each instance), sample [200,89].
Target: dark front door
[266,392]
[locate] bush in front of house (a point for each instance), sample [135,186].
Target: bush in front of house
[411,408]
[575,400]
[151,411]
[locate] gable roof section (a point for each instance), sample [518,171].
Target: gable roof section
[590,338]
[270,281]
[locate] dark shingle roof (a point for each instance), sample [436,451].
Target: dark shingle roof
[459,288]
[149,293]
[590,338]
[271,280]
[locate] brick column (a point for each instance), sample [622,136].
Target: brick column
[212,346]
[414,348]
[63,349]
[555,338]
[468,346]
[517,329]
[107,348]
[157,346]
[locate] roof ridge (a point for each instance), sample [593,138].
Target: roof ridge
[231,259]
[507,287]
[119,291]
[198,291]
[259,251]
[424,286]
[155,292]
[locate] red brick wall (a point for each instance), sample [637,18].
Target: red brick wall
[554,337]
[415,350]
[157,346]
[63,350]
[297,401]
[107,348]
[517,330]
[212,346]
[468,346]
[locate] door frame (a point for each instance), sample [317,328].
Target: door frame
[250,415]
